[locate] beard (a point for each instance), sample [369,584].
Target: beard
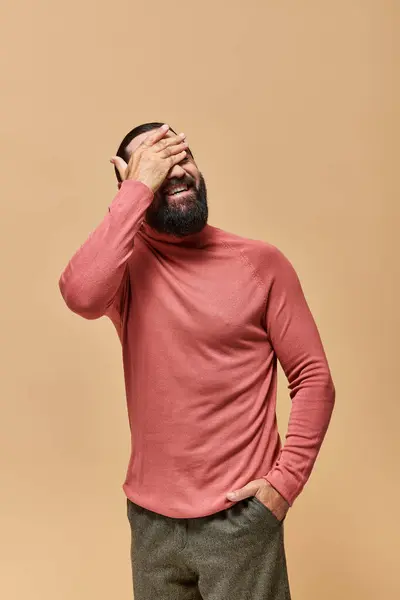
[183,217]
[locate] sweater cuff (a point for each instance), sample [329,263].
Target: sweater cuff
[137,186]
[132,195]
[287,485]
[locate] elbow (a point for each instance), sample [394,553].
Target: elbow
[326,386]
[79,302]
[331,390]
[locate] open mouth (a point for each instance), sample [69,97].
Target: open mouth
[178,192]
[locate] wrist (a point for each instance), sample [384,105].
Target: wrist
[145,182]
[132,180]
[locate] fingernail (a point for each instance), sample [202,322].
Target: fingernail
[231,495]
[165,126]
[182,135]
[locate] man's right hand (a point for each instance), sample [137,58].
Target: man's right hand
[151,162]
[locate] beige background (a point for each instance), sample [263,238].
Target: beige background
[291,110]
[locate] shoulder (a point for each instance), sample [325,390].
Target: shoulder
[265,257]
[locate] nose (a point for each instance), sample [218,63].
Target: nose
[176,171]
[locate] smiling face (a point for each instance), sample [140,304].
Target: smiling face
[180,206]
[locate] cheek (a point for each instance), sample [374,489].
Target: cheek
[156,200]
[193,173]
[159,198]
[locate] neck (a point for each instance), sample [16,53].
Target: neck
[193,239]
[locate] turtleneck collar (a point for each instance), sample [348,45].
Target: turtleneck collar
[194,239]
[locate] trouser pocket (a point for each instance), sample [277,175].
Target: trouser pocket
[268,514]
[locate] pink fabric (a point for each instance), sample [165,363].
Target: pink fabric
[202,322]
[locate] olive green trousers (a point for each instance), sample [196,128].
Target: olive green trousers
[235,554]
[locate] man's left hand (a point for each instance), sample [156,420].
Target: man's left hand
[263,491]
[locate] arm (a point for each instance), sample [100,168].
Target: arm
[96,275]
[297,344]
[96,279]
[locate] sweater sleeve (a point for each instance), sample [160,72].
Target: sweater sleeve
[296,341]
[96,278]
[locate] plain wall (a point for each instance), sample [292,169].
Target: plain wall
[291,110]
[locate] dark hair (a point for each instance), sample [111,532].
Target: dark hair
[122,150]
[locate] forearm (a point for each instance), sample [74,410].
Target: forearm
[92,277]
[312,406]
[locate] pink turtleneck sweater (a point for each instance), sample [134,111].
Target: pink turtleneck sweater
[202,322]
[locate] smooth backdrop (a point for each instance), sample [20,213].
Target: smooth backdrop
[291,109]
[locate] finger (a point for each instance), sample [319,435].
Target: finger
[245,492]
[173,150]
[156,136]
[177,158]
[120,165]
[169,141]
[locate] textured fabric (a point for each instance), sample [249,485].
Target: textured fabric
[203,321]
[236,554]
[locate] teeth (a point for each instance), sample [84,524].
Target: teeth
[177,191]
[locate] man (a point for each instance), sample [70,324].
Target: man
[203,316]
